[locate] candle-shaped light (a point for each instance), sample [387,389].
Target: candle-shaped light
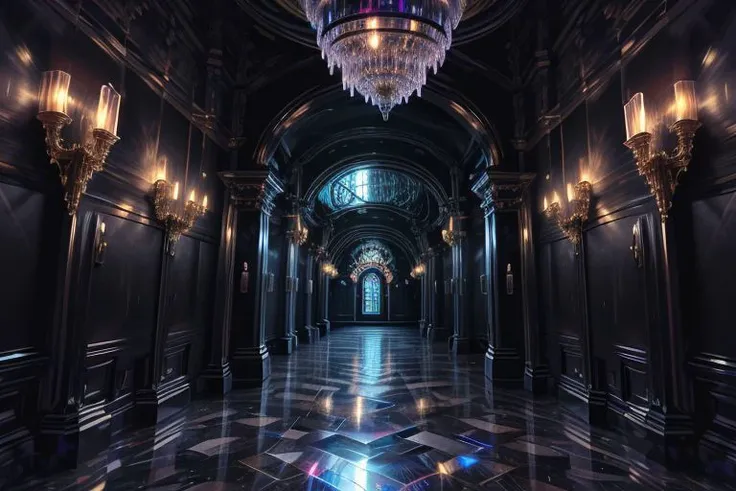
[204,202]
[108,110]
[686,102]
[546,205]
[636,116]
[161,173]
[54,92]
[102,228]
[193,196]
[570,192]
[175,194]
[555,198]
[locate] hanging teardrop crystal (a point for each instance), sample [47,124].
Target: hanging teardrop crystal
[385,49]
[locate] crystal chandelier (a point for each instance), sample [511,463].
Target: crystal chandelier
[384,48]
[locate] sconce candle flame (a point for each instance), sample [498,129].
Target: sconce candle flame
[78,163]
[661,170]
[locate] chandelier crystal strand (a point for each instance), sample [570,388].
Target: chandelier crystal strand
[384,48]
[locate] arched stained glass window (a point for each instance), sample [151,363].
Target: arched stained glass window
[371,294]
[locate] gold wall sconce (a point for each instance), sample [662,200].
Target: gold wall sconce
[330,270]
[418,271]
[660,169]
[451,235]
[176,217]
[578,197]
[298,233]
[77,163]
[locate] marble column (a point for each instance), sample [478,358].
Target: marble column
[510,304]
[252,193]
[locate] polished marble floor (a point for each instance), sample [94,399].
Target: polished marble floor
[373,409]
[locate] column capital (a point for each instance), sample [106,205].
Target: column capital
[253,189]
[501,190]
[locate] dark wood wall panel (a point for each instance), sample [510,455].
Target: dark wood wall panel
[714,227]
[113,326]
[342,302]
[21,233]
[617,295]
[628,336]
[123,291]
[404,300]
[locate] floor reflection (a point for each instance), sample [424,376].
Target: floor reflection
[373,409]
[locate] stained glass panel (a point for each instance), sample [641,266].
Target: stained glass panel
[371,294]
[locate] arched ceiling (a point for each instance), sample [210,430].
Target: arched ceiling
[306,122]
[285,18]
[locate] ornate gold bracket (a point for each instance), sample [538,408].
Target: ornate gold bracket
[176,223]
[661,170]
[78,163]
[297,233]
[572,226]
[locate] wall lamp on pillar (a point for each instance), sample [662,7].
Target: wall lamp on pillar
[298,232]
[418,271]
[660,169]
[77,163]
[579,204]
[330,270]
[177,217]
[450,235]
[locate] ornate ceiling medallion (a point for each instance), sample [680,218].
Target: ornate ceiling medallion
[384,48]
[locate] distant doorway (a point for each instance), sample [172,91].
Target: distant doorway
[371,302]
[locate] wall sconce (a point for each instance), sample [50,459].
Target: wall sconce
[418,271]
[572,226]
[167,208]
[298,233]
[660,169]
[77,163]
[451,236]
[330,270]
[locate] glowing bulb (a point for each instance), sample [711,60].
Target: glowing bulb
[555,197]
[636,116]
[204,202]
[570,192]
[374,41]
[192,196]
[102,228]
[175,194]
[545,204]
[161,174]
[372,23]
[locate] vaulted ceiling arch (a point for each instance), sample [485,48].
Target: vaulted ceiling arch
[452,126]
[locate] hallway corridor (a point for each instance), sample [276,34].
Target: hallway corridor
[372,409]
